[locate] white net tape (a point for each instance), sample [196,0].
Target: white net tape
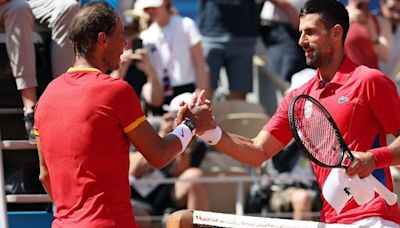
[212,219]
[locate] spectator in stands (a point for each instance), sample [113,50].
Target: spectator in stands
[364,43]
[302,194]
[18,22]
[292,188]
[175,50]
[283,56]
[279,32]
[57,16]
[229,30]
[160,197]
[389,22]
[135,66]
[85,122]
[18,18]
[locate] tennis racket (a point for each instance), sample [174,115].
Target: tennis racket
[317,135]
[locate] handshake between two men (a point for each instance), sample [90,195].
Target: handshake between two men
[197,114]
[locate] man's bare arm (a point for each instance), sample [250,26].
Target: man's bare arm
[249,151]
[44,173]
[160,151]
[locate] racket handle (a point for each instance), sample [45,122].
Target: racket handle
[382,190]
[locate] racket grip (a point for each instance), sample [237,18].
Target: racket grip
[383,191]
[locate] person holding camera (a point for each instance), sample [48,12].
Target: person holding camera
[135,66]
[175,50]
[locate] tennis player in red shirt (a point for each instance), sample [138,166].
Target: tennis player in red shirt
[86,121]
[363,102]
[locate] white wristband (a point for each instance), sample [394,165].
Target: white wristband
[184,134]
[212,136]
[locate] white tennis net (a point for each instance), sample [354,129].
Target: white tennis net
[204,219]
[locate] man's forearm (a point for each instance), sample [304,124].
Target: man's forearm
[253,152]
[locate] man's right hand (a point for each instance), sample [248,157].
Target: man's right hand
[199,111]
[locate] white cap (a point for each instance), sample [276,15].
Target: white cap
[174,104]
[143,4]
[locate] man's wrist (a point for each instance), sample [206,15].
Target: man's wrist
[184,134]
[383,157]
[212,136]
[188,122]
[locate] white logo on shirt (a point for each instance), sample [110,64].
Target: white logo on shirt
[308,108]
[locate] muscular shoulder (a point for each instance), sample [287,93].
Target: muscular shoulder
[371,77]
[374,86]
[118,83]
[118,87]
[365,73]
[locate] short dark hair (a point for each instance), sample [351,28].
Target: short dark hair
[93,18]
[332,12]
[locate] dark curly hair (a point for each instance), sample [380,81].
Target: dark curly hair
[93,18]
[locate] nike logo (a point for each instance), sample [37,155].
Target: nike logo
[182,134]
[347,191]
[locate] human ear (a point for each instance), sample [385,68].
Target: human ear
[102,38]
[337,32]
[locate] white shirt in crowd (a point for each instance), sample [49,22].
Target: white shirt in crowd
[170,49]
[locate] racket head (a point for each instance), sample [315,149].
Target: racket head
[316,133]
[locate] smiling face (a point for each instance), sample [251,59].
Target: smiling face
[315,40]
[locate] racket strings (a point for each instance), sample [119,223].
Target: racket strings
[317,133]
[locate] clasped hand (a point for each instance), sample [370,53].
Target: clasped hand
[199,111]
